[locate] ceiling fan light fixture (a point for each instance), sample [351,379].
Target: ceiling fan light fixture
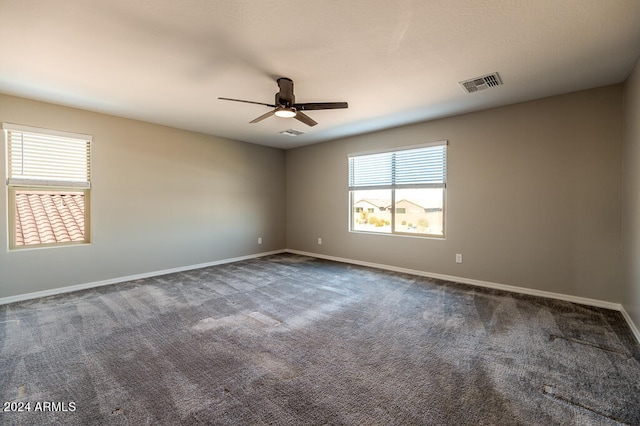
[286,113]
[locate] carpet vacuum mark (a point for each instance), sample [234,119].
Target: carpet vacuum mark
[292,340]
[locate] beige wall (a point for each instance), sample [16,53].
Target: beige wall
[162,198]
[533,199]
[631,195]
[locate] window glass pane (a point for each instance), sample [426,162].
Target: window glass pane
[49,217]
[371,210]
[420,211]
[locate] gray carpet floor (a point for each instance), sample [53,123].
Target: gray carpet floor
[292,340]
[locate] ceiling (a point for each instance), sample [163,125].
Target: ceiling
[394,62]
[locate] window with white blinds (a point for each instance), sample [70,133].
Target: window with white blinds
[49,181]
[424,166]
[400,191]
[36,157]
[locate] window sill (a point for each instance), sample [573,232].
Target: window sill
[400,234]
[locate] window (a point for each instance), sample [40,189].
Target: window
[48,183]
[399,192]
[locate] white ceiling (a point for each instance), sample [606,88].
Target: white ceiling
[394,62]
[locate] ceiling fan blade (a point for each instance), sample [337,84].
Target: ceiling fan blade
[310,106]
[263,116]
[300,116]
[248,102]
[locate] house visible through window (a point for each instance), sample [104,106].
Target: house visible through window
[49,183]
[399,192]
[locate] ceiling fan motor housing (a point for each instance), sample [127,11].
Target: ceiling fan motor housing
[285,96]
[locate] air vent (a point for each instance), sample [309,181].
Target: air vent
[292,132]
[481,83]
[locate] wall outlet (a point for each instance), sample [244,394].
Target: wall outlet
[319,241]
[259,240]
[458,258]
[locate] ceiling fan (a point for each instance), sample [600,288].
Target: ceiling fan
[285,105]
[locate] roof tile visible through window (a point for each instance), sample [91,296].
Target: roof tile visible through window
[45,217]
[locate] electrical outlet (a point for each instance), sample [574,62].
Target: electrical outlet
[458,258]
[259,240]
[319,241]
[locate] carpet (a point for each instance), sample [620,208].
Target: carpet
[294,340]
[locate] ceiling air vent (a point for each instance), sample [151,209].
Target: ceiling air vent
[481,83]
[292,132]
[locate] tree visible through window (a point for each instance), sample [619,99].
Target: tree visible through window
[49,182]
[399,192]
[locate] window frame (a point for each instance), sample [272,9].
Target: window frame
[393,187]
[14,185]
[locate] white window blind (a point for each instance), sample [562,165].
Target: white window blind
[415,167]
[371,170]
[47,158]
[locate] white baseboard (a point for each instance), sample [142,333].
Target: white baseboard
[522,290]
[487,284]
[632,325]
[68,289]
